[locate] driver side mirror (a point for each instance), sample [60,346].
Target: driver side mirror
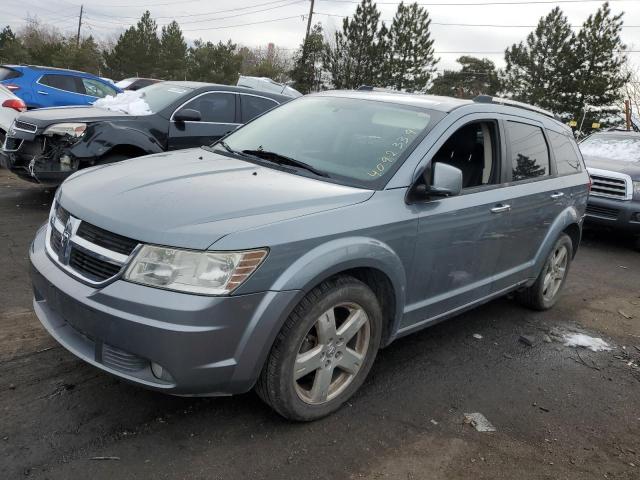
[446,182]
[187,115]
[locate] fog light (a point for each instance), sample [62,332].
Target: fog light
[635,217]
[160,373]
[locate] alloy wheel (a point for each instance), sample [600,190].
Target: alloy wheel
[332,353]
[556,271]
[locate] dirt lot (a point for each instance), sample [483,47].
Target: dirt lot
[559,412]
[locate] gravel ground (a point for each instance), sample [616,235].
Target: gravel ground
[559,412]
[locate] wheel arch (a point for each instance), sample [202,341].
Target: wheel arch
[370,261]
[569,222]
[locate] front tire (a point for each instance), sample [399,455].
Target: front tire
[112,158]
[544,293]
[324,351]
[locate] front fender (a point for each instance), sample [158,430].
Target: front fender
[100,138]
[307,272]
[569,216]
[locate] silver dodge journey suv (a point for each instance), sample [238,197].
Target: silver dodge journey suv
[283,257]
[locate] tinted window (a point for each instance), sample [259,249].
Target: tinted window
[253,106]
[8,73]
[96,88]
[215,107]
[529,154]
[359,141]
[61,82]
[567,160]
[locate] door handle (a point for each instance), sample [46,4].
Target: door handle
[501,208]
[557,195]
[42,93]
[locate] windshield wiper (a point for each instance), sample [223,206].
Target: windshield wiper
[284,160]
[224,145]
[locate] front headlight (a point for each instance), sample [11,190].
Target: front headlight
[636,190]
[207,273]
[72,129]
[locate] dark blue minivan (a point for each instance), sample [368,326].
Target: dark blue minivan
[41,87]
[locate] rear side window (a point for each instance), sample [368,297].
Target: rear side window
[8,73]
[97,89]
[529,152]
[62,82]
[567,161]
[253,106]
[215,107]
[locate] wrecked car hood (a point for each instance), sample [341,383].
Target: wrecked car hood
[44,117]
[192,198]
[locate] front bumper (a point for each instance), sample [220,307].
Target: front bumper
[208,345]
[33,159]
[618,214]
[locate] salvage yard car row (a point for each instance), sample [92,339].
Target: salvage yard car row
[283,254]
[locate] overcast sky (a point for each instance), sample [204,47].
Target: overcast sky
[284,22]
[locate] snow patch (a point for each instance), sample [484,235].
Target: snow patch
[130,102]
[585,341]
[626,149]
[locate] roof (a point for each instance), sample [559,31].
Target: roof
[231,88]
[39,67]
[434,102]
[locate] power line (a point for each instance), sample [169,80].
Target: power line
[188,22]
[192,14]
[246,24]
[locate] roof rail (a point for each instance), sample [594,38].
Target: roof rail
[513,103]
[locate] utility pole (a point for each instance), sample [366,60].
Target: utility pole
[306,37]
[79,25]
[627,114]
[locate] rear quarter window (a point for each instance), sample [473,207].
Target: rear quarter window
[252,106]
[567,161]
[8,73]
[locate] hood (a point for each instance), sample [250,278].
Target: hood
[191,198]
[44,117]
[630,168]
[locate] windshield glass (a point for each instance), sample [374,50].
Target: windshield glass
[146,101]
[620,147]
[361,142]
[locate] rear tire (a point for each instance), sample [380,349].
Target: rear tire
[324,351]
[544,293]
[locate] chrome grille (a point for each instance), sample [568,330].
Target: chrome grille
[602,212]
[85,251]
[610,184]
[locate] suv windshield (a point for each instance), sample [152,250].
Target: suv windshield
[361,142]
[614,147]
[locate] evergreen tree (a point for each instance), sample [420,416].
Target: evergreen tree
[539,71]
[307,70]
[85,57]
[11,48]
[356,54]
[411,61]
[476,77]
[218,63]
[137,52]
[173,53]
[599,73]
